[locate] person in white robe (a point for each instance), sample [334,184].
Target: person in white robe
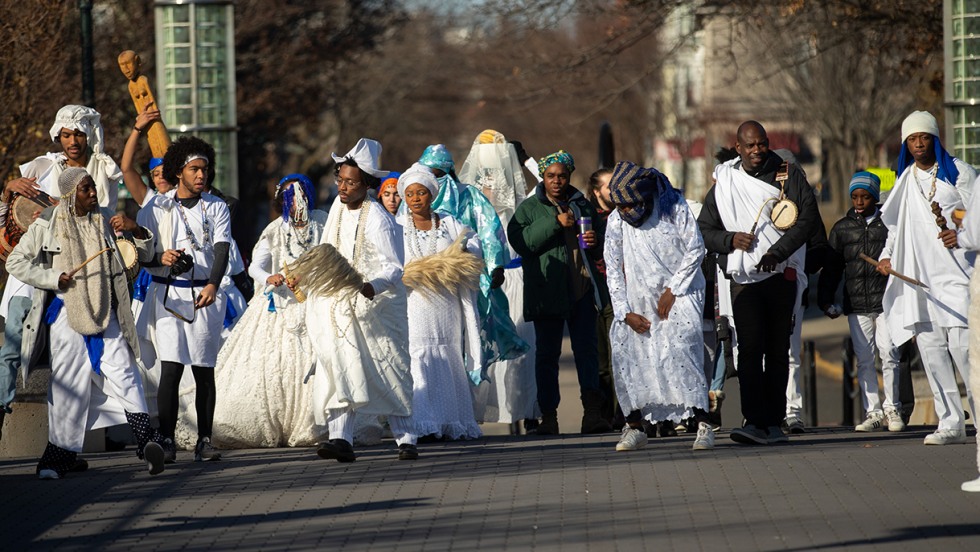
[969,239]
[360,340]
[443,323]
[262,367]
[188,311]
[918,248]
[81,297]
[510,395]
[77,131]
[653,253]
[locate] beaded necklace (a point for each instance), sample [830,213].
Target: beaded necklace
[432,237]
[352,300]
[934,171]
[205,225]
[304,239]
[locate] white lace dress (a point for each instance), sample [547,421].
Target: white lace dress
[262,400]
[658,372]
[444,343]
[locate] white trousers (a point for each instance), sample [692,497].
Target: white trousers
[342,421]
[794,385]
[941,348]
[78,398]
[869,333]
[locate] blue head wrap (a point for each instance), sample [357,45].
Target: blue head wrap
[947,169]
[638,192]
[288,192]
[155,162]
[438,157]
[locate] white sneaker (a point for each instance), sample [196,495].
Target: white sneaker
[894,418]
[705,439]
[47,474]
[945,437]
[874,422]
[632,439]
[971,486]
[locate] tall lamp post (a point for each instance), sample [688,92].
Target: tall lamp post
[88,69]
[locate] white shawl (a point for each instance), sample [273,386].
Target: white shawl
[739,198]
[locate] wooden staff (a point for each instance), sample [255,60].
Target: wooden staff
[940,219]
[898,275]
[87,261]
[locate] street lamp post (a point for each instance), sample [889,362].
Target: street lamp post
[88,69]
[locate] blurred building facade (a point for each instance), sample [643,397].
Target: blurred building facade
[717,79]
[195,54]
[961,46]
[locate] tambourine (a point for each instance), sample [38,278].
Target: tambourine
[784,214]
[127,250]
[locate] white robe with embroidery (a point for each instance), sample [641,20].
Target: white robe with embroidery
[361,345]
[659,372]
[444,343]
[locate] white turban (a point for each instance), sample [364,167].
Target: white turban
[919,121]
[366,153]
[81,118]
[418,174]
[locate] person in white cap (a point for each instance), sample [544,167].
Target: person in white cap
[82,298]
[361,343]
[78,133]
[929,179]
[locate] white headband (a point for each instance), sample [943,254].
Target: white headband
[193,157]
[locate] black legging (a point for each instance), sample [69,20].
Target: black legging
[168,398]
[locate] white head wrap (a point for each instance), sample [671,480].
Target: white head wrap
[418,174]
[493,168]
[81,118]
[919,121]
[366,153]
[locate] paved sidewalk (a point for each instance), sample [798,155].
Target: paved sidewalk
[829,489]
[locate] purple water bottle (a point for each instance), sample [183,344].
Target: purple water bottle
[584,225]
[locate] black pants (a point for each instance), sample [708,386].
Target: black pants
[168,398]
[763,325]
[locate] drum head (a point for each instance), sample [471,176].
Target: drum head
[784,214]
[127,251]
[22,211]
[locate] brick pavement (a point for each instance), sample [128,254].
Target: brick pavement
[829,489]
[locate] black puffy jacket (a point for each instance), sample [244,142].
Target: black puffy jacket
[863,285]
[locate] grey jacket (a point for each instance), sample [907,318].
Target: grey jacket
[31,262]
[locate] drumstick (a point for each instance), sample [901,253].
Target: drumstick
[87,261]
[898,275]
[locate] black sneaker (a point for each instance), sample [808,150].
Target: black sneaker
[336,449]
[154,456]
[667,428]
[80,465]
[204,452]
[169,451]
[749,435]
[408,452]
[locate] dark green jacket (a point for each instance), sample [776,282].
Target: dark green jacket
[535,234]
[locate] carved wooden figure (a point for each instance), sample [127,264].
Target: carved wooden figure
[139,89]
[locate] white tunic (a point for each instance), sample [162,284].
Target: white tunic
[46,169]
[361,345]
[195,343]
[917,252]
[444,342]
[659,372]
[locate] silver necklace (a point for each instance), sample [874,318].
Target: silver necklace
[432,236]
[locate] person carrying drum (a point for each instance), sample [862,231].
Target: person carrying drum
[81,299]
[758,217]
[77,132]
